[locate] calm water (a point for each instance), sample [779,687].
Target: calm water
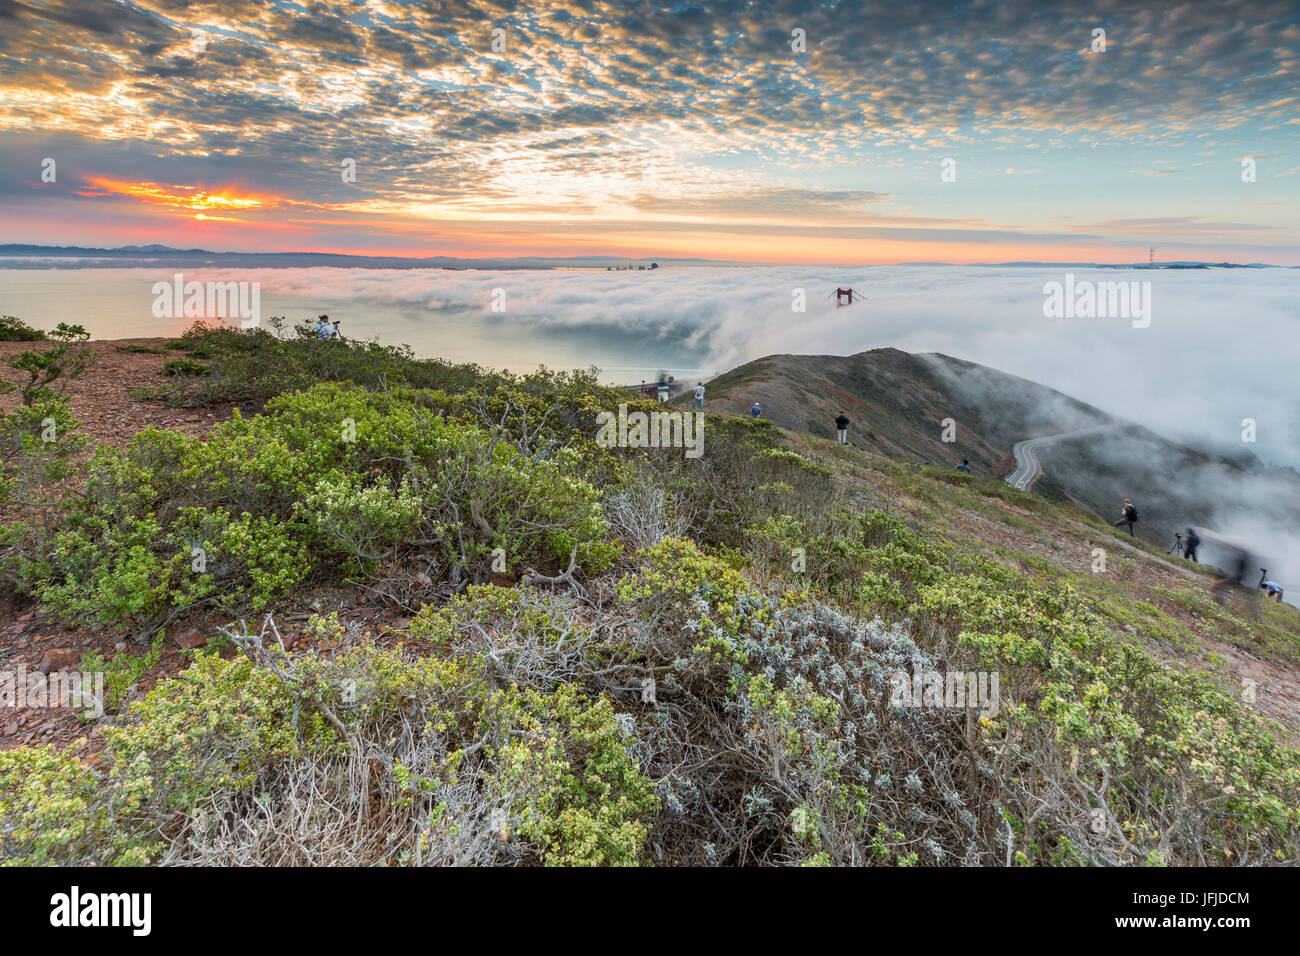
[396,306]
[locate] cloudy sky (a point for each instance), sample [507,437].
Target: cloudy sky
[759,131]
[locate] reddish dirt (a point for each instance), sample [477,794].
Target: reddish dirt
[101,400]
[101,397]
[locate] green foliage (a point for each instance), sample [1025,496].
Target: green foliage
[588,810]
[67,359]
[674,578]
[122,672]
[184,367]
[14,329]
[335,477]
[870,560]
[39,451]
[226,728]
[55,812]
[775,738]
[744,478]
[505,608]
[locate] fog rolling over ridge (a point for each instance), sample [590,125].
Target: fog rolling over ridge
[1222,345]
[1174,486]
[898,404]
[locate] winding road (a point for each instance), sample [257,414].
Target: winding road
[1027,467]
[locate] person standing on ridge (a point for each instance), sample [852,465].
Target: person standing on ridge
[699,396]
[842,428]
[324,330]
[1128,515]
[1190,544]
[964,466]
[755,410]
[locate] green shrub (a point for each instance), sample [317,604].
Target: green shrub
[14,329]
[55,811]
[184,367]
[589,807]
[66,359]
[40,448]
[229,736]
[336,477]
[122,672]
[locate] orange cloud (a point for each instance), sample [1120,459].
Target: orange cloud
[189,198]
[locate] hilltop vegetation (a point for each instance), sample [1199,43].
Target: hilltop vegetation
[614,656]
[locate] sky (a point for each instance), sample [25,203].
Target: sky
[765,132]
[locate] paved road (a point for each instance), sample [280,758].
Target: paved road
[1027,467]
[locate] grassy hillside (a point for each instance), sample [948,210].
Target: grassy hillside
[613,655]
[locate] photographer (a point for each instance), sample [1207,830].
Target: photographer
[324,330]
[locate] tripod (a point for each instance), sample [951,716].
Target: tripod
[1177,546]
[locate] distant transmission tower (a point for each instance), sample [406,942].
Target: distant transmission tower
[1151,257]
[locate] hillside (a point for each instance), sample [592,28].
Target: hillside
[897,402]
[434,622]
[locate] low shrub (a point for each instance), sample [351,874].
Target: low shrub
[185,367]
[14,329]
[362,758]
[333,478]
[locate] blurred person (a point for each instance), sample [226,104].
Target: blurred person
[842,428]
[755,410]
[964,466]
[699,396]
[1191,541]
[1238,562]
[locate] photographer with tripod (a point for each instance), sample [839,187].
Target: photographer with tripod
[326,330]
[1271,589]
[1186,545]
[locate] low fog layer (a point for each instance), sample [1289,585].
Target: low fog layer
[1221,346]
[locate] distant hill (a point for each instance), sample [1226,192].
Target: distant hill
[157,255]
[128,256]
[898,401]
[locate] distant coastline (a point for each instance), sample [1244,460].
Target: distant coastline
[30,256]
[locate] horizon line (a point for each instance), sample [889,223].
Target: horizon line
[160,250]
